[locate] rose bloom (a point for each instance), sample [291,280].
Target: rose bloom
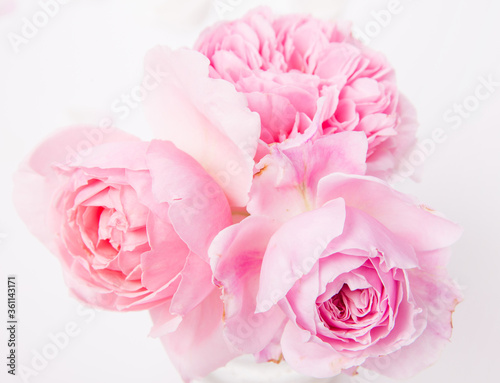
[130,221]
[285,64]
[334,269]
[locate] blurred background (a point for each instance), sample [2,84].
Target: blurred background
[80,56]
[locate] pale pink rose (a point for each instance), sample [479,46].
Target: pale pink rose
[204,117]
[335,270]
[130,221]
[284,64]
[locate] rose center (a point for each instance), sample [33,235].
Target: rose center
[347,306]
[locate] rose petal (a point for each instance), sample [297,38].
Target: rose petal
[236,256]
[396,211]
[218,129]
[197,347]
[295,248]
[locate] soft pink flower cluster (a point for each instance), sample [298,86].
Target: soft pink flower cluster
[285,65]
[255,222]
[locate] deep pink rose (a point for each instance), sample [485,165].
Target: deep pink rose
[335,270]
[130,221]
[284,64]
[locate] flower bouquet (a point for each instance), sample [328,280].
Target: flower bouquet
[260,220]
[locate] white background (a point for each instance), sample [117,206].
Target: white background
[91,52]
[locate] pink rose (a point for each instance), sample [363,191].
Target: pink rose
[130,221]
[335,270]
[285,64]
